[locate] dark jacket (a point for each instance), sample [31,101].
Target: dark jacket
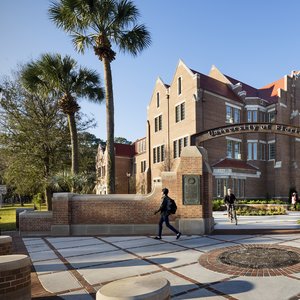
[164,206]
[229,199]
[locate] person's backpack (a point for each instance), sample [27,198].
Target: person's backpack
[172,207]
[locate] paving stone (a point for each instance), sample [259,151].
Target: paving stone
[75,243]
[176,259]
[59,282]
[156,249]
[49,266]
[109,272]
[83,261]
[76,295]
[84,250]
[267,288]
[44,255]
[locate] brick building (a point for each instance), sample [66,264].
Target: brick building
[256,164]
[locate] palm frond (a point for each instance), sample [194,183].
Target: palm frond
[81,42]
[126,14]
[135,40]
[68,15]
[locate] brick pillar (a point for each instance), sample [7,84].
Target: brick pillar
[15,277]
[62,214]
[5,245]
[192,218]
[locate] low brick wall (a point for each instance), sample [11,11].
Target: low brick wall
[15,277]
[74,214]
[5,245]
[39,222]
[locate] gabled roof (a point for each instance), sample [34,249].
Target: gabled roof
[234,164]
[250,90]
[216,86]
[270,91]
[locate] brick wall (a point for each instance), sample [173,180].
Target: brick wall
[35,221]
[72,209]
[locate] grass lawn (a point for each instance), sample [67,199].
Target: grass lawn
[8,216]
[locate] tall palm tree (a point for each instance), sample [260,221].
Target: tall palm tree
[61,78]
[102,24]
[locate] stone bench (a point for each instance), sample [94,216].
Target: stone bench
[5,245]
[15,277]
[136,288]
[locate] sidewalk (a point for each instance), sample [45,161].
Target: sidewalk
[76,267]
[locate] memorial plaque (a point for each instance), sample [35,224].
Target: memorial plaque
[191,189]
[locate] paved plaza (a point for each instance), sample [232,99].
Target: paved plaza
[76,267]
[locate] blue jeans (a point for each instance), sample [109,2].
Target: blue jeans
[165,218]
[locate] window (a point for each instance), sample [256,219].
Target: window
[234,149]
[180,112]
[175,149]
[233,114]
[143,166]
[271,150]
[178,145]
[157,100]
[158,123]
[142,146]
[271,116]
[252,115]
[179,85]
[262,151]
[252,151]
[158,154]
[222,185]
[238,186]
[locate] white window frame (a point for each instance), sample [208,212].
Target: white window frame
[269,150]
[252,149]
[232,117]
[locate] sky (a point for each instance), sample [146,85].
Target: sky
[254,41]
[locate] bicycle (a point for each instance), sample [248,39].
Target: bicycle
[232,213]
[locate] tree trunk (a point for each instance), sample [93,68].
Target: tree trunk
[74,144]
[110,173]
[48,197]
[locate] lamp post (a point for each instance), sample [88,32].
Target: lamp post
[128,177]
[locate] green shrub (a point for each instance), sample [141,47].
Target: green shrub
[218,205]
[249,211]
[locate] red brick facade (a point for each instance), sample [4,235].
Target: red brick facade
[193,103]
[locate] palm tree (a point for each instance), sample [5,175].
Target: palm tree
[59,77]
[100,24]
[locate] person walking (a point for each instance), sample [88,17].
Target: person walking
[164,215]
[294,200]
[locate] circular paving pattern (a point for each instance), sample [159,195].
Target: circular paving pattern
[253,260]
